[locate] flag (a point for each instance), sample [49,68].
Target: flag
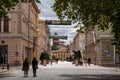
[93,37]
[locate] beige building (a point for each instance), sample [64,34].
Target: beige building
[43,37]
[71,48]
[78,43]
[102,52]
[61,53]
[18,31]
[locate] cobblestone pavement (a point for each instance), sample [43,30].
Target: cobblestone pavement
[64,71]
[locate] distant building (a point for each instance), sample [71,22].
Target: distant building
[61,53]
[78,43]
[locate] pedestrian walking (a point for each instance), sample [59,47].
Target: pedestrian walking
[51,61]
[85,61]
[34,66]
[89,61]
[25,67]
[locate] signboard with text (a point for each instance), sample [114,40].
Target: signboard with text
[58,22]
[58,37]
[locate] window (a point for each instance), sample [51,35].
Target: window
[0,25]
[6,24]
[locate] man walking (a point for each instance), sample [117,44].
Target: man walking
[34,66]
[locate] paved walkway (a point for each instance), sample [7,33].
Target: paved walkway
[64,71]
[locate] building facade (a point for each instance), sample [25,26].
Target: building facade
[61,54]
[79,42]
[43,37]
[98,47]
[102,52]
[18,30]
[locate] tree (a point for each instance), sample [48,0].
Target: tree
[77,54]
[6,5]
[104,13]
[54,47]
[44,56]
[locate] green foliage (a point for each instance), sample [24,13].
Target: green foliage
[54,47]
[91,12]
[44,56]
[69,58]
[53,57]
[6,5]
[77,54]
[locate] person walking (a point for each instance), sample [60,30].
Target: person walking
[34,66]
[85,61]
[89,61]
[51,61]
[25,67]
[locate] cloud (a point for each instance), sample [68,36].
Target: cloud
[48,14]
[46,10]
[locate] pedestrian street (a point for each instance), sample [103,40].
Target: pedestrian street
[64,71]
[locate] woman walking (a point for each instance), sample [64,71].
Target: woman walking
[25,67]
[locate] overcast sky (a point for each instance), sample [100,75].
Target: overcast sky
[48,14]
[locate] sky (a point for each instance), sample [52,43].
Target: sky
[48,14]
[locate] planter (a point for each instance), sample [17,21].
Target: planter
[44,62]
[76,62]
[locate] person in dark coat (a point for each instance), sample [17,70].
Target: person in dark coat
[25,67]
[34,66]
[89,61]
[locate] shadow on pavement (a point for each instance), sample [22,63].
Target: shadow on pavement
[91,77]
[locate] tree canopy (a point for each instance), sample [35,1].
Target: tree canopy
[103,13]
[6,5]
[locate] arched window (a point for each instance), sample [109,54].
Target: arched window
[6,24]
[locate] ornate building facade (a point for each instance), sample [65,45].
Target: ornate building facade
[61,53]
[18,30]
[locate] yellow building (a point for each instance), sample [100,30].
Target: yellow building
[61,53]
